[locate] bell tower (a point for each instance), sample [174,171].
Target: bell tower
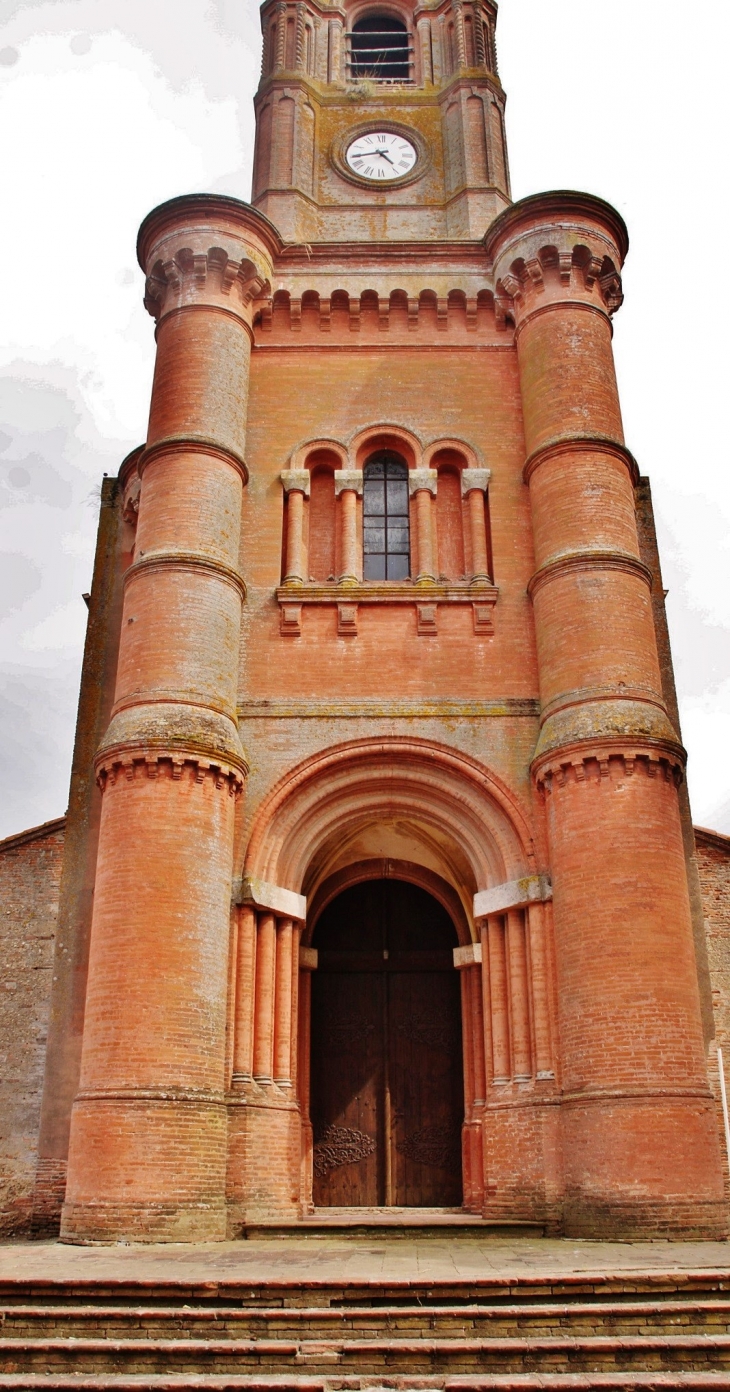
[424,73]
[386,611]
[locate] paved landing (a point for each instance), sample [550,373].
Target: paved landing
[361,1259]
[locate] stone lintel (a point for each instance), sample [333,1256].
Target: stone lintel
[273,897]
[515,894]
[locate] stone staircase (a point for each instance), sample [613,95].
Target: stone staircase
[661,1330]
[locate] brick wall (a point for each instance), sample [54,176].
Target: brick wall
[713,859]
[30,873]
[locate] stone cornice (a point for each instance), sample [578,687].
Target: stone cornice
[194,444]
[625,727]
[187,561]
[588,560]
[581,444]
[584,695]
[203,210]
[172,731]
[449,254]
[560,208]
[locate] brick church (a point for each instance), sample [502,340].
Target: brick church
[378,888]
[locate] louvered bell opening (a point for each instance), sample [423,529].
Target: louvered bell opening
[379,48]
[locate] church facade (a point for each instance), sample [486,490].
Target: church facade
[379,886]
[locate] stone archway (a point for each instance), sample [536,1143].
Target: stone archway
[400,808]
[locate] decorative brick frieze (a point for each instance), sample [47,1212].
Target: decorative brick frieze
[594,765]
[190,275]
[425,316]
[555,248]
[110,771]
[620,723]
[369,593]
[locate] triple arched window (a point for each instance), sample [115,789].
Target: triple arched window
[389,520]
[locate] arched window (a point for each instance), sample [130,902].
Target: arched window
[386,530]
[379,49]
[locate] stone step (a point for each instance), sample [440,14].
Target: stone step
[290,1293]
[389,1224]
[381,1356]
[490,1382]
[618,1317]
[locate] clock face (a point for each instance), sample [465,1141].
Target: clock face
[381,156]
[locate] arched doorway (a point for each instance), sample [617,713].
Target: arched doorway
[386,1058]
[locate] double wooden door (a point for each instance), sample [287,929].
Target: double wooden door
[386,1061]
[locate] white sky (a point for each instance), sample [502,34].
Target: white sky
[108,107]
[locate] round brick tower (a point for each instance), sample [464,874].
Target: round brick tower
[639,1134]
[148,1136]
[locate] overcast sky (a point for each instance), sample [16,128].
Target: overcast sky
[108,107]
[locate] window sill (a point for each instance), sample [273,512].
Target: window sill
[425,598]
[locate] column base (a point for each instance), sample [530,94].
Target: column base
[642,1167]
[264,1158]
[522,1179]
[92,1224]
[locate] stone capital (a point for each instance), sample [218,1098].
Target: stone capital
[514,894]
[474,478]
[348,480]
[262,895]
[422,480]
[296,481]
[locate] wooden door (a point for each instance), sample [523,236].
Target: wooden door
[387,1087]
